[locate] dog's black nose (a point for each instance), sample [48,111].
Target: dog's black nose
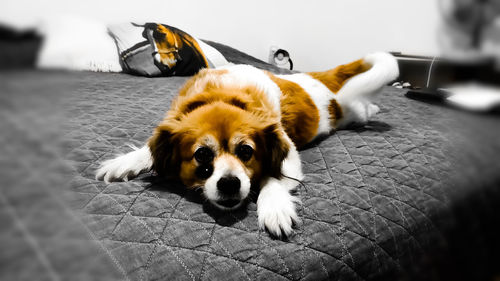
[229,185]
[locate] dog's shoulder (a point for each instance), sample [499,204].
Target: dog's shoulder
[232,76]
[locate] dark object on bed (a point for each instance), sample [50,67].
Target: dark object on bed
[18,49]
[416,69]
[238,57]
[414,195]
[163,50]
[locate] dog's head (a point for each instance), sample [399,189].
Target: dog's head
[217,141]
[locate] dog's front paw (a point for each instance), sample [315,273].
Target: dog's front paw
[276,209]
[125,167]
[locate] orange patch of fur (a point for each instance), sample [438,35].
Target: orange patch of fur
[335,111]
[335,78]
[199,82]
[203,89]
[226,114]
[224,123]
[299,115]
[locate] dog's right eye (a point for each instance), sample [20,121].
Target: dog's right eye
[204,155]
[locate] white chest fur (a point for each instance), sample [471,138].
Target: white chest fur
[320,95]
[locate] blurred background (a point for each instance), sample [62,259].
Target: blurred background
[318,35]
[315,36]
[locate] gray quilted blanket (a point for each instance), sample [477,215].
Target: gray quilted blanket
[414,195]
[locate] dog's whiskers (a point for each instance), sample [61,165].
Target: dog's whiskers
[297,180]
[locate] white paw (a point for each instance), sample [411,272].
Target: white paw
[276,209]
[358,113]
[372,109]
[125,167]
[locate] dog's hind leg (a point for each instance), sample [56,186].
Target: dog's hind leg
[354,96]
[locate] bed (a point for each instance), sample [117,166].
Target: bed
[414,195]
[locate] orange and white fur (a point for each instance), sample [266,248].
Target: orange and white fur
[238,127]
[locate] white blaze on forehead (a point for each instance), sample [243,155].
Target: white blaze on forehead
[247,75]
[226,165]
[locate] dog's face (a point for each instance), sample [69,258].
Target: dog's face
[221,146]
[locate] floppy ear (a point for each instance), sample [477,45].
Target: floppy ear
[276,150]
[163,152]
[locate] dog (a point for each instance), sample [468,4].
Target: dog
[238,127]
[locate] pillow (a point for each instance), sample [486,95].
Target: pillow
[75,43]
[149,49]
[153,49]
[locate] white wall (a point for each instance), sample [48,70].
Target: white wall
[319,34]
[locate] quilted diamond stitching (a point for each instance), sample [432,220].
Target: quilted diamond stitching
[373,203]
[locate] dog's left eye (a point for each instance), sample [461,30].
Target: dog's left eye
[204,171]
[204,155]
[244,152]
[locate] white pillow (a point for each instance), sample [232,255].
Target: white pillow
[75,43]
[213,56]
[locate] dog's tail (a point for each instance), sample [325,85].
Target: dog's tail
[372,73]
[354,84]
[359,78]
